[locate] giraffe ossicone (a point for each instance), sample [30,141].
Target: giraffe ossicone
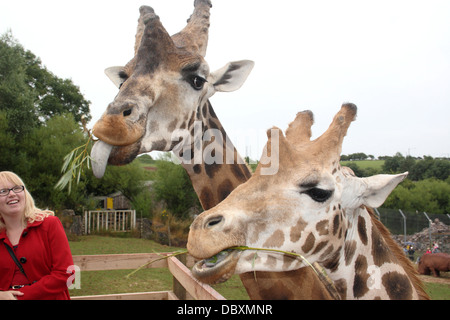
[312,207]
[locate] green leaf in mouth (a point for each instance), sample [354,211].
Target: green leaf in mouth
[211,262]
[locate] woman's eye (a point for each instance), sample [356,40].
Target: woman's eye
[197,82]
[319,195]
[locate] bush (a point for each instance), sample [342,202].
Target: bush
[142,203]
[173,186]
[430,195]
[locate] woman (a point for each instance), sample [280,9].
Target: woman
[34,251]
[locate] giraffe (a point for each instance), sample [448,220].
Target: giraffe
[312,207]
[163,90]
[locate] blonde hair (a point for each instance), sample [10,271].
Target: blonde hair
[32,213]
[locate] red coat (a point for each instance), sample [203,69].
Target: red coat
[45,248]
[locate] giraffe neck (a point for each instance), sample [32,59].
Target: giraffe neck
[214,166]
[370,265]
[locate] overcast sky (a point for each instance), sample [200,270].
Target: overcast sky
[390,58]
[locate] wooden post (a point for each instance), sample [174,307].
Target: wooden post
[177,288]
[195,288]
[89,222]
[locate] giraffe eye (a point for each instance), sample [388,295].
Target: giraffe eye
[197,82]
[319,195]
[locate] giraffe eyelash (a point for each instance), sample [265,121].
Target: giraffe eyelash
[319,195]
[196,82]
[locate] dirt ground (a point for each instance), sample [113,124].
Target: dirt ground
[443,279]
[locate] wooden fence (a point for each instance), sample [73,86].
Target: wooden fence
[185,286]
[113,220]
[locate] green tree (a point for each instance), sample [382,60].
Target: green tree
[46,147]
[430,168]
[30,93]
[142,203]
[173,186]
[129,180]
[7,144]
[392,164]
[430,195]
[40,117]
[16,95]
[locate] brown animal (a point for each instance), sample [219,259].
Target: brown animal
[434,263]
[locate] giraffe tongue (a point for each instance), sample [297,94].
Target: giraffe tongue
[213,261]
[100,154]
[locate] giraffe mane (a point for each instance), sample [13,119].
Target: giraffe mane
[399,255]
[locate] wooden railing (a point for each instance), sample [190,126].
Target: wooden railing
[185,286]
[112,220]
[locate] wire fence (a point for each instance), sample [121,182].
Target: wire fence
[415,221]
[421,228]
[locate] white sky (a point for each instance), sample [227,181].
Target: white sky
[390,58]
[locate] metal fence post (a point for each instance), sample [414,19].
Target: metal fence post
[404,225]
[429,226]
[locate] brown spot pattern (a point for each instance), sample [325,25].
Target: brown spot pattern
[380,250]
[361,276]
[322,227]
[207,199]
[349,251]
[225,189]
[362,231]
[309,243]
[276,240]
[296,231]
[397,285]
[341,287]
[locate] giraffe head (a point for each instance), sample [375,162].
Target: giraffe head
[160,89]
[305,208]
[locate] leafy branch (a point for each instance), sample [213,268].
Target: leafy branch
[163,257]
[74,163]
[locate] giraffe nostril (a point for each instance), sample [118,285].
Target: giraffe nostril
[214,221]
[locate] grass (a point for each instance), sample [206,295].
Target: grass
[115,245]
[153,279]
[438,291]
[437,288]
[114,281]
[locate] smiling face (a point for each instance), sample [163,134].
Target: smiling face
[13,204]
[305,208]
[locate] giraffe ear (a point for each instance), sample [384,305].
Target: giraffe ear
[232,76]
[116,75]
[377,188]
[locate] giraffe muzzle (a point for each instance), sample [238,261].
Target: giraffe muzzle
[218,268]
[118,130]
